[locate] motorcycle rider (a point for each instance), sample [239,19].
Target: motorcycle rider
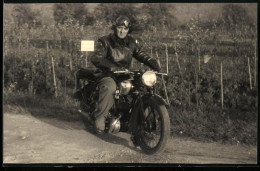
[114,52]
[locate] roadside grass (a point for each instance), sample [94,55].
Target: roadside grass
[215,125]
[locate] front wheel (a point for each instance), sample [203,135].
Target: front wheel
[155,129]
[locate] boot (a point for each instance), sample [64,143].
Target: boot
[97,125]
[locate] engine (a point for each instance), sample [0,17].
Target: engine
[125,87]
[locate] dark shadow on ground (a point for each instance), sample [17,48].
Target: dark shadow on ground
[61,118]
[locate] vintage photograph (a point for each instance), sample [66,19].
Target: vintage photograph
[150,83]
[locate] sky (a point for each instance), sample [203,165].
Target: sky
[183,11]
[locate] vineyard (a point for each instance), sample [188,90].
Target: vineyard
[212,82]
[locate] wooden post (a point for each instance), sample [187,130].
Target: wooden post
[249,72]
[198,75]
[199,58]
[15,56]
[70,55]
[86,59]
[177,56]
[189,93]
[13,68]
[76,83]
[158,59]
[53,69]
[48,62]
[54,78]
[196,87]
[221,82]
[165,91]
[65,84]
[47,47]
[32,86]
[255,65]
[167,59]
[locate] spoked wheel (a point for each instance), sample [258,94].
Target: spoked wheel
[155,129]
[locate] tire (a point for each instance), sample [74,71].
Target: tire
[157,119]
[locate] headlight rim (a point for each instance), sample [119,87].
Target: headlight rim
[145,75]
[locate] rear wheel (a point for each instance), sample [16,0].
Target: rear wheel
[155,129]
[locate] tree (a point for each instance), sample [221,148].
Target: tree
[158,15]
[77,12]
[237,23]
[235,15]
[22,14]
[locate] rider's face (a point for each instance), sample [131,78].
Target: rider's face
[121,31]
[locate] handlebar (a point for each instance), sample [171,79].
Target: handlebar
[123,72]
[130,72]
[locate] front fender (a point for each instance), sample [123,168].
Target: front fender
[137,111]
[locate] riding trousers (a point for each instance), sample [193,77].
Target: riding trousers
[107,88]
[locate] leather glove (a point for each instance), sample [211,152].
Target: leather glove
[153,64]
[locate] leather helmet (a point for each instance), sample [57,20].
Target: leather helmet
[122,21]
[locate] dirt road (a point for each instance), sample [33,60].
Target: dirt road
[32,140]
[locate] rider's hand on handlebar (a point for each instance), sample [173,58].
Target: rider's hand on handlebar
[154,64]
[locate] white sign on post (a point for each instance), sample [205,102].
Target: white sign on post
[87,45]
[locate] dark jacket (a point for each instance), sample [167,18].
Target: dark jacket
[111,51]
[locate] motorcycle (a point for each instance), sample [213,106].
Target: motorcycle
[137,110]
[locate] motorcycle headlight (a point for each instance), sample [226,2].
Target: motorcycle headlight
[149,78]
